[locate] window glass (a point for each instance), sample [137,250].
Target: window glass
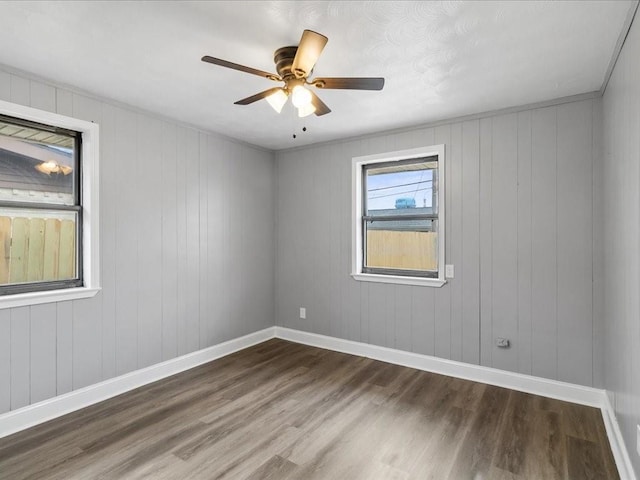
[39,207]
[400,217]
[405,186]
[36,165]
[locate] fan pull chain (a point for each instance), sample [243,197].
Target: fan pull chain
[304,129]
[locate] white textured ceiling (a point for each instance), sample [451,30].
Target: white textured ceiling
[439,59]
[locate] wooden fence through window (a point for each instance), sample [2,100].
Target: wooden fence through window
[402,249]
[36,249]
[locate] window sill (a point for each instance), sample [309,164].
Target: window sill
[397,279]
[35,298]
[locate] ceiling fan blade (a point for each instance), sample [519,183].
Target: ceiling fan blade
[309,50]
[351,83]
[242,68]
[321,107]
[257,96]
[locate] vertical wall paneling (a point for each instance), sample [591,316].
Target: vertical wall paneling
[20,357]
[304,221]
[597,228]
[169,231]
[574,237]
[64,103]
[223,224]
[126,265]
[338,328]
[5,87]
[148,206]
[349,288]
[64,347]
[20,90]
[486,242]
[289,246]
[43,351]
[181,240]
[234,227]
[378,317]
[215,199]
[364,312]
[5,361]
[403,311]
[619,223]
[320,204]
[422,320]
[469,265]
[525,200]
[454,236]
[504,270]
[43,96]
[108,228]
[87,354]
[544,245]
[192,166]
[204,156]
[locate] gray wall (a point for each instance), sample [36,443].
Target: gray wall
[187,253]
[520,233]
[621,105]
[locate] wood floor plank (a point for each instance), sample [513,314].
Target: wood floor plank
[276,468]
[546,455]
[286,411]
[515,434]
[477,450]
[584,459]
[438,456]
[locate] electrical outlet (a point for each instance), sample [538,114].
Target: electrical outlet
[638,440]
[303,312]
[448,271]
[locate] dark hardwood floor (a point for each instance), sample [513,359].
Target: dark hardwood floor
[280,410]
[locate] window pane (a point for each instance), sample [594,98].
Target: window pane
[37,246]
[402,188]
[402,244]
[36,165]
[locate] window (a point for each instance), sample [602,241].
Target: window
[399,217]
[48,207]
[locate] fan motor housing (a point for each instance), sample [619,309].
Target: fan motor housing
[283,58]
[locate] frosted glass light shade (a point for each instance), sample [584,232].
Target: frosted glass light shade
[277,100]
[300,97]
[306,110]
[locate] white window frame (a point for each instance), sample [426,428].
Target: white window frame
[357,231]
[90,207]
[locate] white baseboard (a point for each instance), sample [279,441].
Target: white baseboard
[618,447]
[569,392]
[49,409]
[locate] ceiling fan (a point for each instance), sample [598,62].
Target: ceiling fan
[294,66]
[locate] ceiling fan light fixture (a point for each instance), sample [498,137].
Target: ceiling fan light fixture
[295,65]
[51,166]
[300,97]
[277,100]
[306,110]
